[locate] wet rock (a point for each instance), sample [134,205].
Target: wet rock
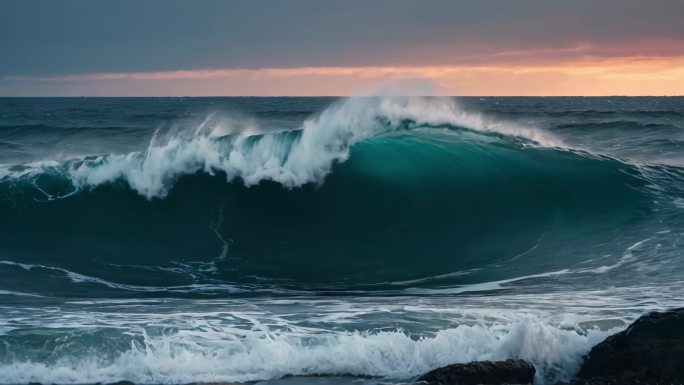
[513,371]
[650,351]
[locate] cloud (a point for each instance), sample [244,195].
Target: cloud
[589,76]
[48,38]
[313,47]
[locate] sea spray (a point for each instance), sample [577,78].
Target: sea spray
[291,158]
[215,353]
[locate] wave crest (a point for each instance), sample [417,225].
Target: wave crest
[291,158]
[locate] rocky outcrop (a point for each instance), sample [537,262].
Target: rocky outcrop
[513,371]
[650,351]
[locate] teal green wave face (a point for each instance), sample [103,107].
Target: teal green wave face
[409,206]
[442,206]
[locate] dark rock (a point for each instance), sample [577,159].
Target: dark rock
[650,351]
[513,371]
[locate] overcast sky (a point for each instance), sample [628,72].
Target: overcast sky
[278,47]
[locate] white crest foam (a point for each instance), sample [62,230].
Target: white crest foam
[253,156]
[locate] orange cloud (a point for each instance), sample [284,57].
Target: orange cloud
[580,76]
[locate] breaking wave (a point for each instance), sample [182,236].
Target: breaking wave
[243,151]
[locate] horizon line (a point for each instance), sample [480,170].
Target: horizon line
[331,96]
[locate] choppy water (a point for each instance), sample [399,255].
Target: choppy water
[172,240]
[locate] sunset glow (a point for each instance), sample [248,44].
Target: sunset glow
[590,77]
[493,48]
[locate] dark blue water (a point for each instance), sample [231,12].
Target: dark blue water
[174,240]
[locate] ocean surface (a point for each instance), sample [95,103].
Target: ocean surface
[177,240]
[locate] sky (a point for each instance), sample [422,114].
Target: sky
[332,47]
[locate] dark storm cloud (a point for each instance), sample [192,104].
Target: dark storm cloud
[46,38]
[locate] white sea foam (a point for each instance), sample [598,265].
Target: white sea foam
[82,278]
[17,293]
[249,154]
[216,355]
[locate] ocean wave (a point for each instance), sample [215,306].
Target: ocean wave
[392,194]
[380,237]
[291,158]
[406,200]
